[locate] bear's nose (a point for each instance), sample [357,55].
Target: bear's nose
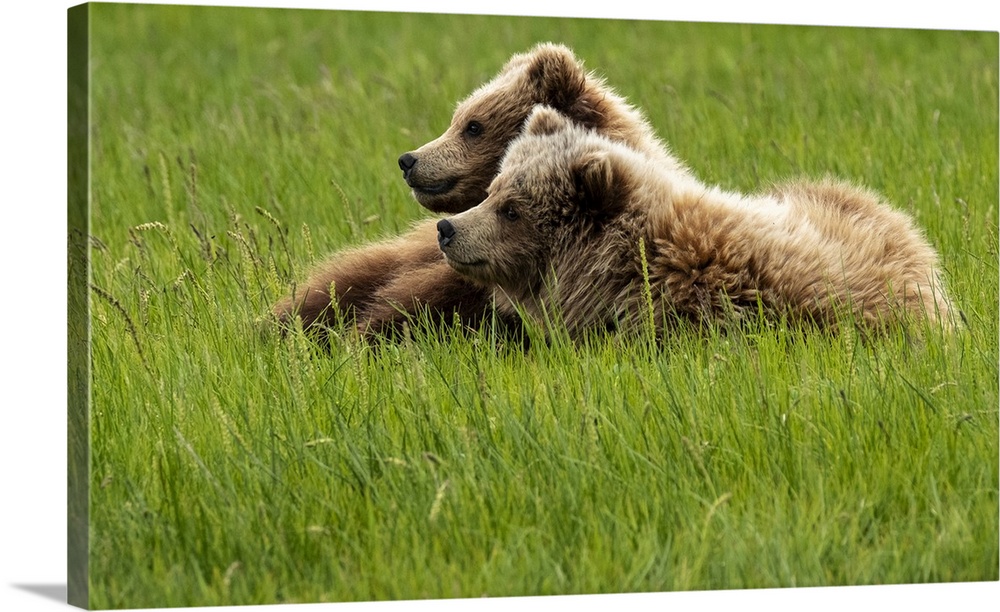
[406,162]
[446,231]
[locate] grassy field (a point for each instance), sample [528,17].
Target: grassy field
[231,148]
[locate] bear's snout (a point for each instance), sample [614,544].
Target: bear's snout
[406,163]
[446,231]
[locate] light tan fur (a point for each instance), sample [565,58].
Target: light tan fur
[561,231]
[380,285]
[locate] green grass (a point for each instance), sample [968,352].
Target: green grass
[231,148]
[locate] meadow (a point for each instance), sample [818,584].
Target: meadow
[230,149]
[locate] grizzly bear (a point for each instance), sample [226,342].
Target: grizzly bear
[380,285]
[589,230]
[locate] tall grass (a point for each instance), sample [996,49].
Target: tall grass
[234,147]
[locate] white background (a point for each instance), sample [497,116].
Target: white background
[33,316]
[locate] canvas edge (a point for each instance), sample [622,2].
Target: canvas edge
[78,305]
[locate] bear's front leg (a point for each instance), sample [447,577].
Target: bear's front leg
[433,290]
[347,282]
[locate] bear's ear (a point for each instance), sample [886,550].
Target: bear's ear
[557,77]
[544,121]
[596,184]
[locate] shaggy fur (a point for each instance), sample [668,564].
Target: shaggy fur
[561,231]
[380,285]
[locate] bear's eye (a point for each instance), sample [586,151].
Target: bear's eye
[474,128]
[509,213]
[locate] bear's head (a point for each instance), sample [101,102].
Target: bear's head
[558,188]
[451,173]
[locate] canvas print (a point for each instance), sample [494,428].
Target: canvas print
[381,306]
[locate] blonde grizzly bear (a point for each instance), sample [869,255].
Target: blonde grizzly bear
[380,285]
[561,229]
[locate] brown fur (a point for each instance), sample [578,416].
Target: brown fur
[380,285]
[561,231]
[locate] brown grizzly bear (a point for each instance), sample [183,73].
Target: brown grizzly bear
[380,285]
[561,229]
